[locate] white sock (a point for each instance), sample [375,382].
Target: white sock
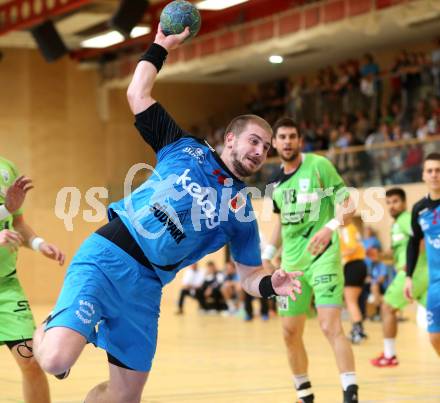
[298,380]
[389,348]
[347,379]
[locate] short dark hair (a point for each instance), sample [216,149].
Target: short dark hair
[285,122]
[396,192]
[432,157]
[238,124]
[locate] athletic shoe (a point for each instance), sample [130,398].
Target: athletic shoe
[383,362]
[305,388]
[247,317]
[351,394]
[357,337]
[264,317]
[63,375]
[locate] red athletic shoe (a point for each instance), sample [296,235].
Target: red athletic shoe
[383,362]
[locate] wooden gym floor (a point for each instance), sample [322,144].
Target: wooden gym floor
[225,360]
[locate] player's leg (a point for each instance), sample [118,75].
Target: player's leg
[16,329]
[86,292]
[124,386]
[331,326]
[293,318]
[34,381]
[394,300]
[433,315]
[328,284]
[57,348]
[355,273]
[351,296]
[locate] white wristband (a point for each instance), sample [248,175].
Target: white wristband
[333,224]
[4,212]
[36,243]
[269,252]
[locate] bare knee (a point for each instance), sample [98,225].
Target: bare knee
[55,362]
[292,334]
[59,350]
[331,330]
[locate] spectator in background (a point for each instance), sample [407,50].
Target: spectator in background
[192,281]
[426,78]
[211,297]
[370,86]
[370,240]
[231,289]
[249,310]
[377,280]
[435,59]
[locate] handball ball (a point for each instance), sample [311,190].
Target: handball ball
[180,14]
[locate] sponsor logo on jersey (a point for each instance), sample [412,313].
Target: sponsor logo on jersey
[325,279]
[430,317]
[196,153]
[199,194]
[173,226]
[237,202]
[85,311]
[304,185]
[423,224]
[5,175]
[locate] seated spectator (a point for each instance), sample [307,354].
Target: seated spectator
[191,286]
[249,309]
[211,297]
[231,288]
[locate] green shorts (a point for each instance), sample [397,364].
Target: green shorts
[394,294]
[17,322]
[323,280]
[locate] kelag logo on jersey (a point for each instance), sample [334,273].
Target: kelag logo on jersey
[195,152]
[198,193]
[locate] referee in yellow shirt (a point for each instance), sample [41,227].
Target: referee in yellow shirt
[355,272]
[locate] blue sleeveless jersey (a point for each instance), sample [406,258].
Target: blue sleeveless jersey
[190,206]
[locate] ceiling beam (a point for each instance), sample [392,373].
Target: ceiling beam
[23,14]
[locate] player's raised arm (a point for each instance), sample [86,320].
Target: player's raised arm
[155,125]
[141,85]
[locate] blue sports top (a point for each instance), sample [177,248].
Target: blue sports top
[425,224]
[190,206]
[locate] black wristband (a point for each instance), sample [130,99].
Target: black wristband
[266,288]
[156,55]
